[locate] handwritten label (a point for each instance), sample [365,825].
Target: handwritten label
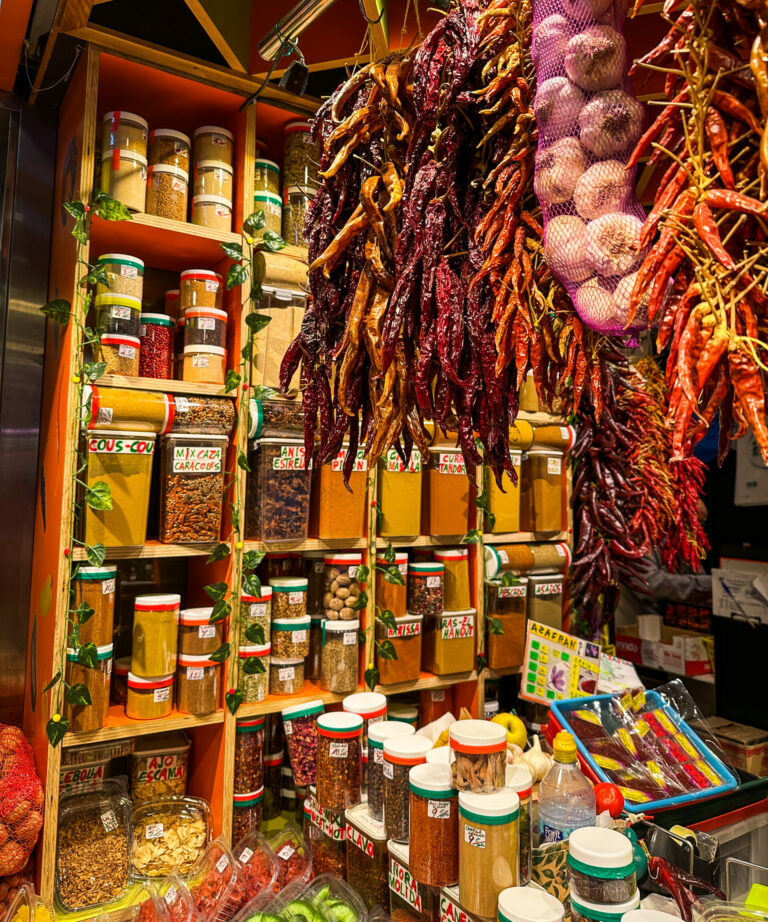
[129,272]
[409,629]
[109,820]
[206,631]
[457,627]
[402,883]
[548,589]
[289,458]
[222,864]
[350,637]
[162,694]
[286,852]
[245,855]
[359,465]
[161,768]
[474,836]
[359,840]
[451,463]
[201,361]
[378,756]
[154,831]
[81,774]
[195,673]
[195,459]
[298,636]
[206,323]
[117,446]
[512,592]
[338,750]
[439,809]
[433,582]
[295,598]
[258,610]
[554,465]
[286,673]
[121,313]
[212,284]
[394,464]
[108,586]
[126,352]
[170,896]
[389,770]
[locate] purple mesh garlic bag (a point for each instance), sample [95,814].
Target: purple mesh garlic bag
[588,123]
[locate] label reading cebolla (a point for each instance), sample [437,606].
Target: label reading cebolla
[360,465]
[115,446]
[195,459]
[451,462]
[291,458]
[403,885]
[394,463]
[456,627]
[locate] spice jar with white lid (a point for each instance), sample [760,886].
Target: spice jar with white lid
[169,147]
[197,685]
[124,131]
[125,275]
[211,142]
[488,848]
[119,353]
[213,177]
[524,904]
[518,778]
[197,635]
[167,188]
[586,911]
[378,733]
[149,698]
[200,288]
[204,364]
[401,753]
[253,672]
[286,675]
[434,825]
[213,212]
[124,177]
[338,656]
[339,760]
[478,755]
[205,326]
[601,865]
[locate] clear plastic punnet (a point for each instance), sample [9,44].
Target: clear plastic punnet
[212,881]
[588,122]
[257,870]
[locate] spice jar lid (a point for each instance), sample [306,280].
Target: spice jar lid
[602,912]
[202,274]
[95,573]
[297,125]
[439,756]
[168,133]
[406,749]
[263,163]
[545,451]
[214,165]
[161,320]
[165,602]
[122,259]
[122,666]
[288,584]
[477,736]
[213,129]
[426,567]
[397,561]
[123,155]
[492,561]
[256,650]
[103,652]
[367,704]
[432,780]
[205,312]
[271,197]
[159,681]
[250,724]
[340,725]
[291,624]
[599,852]
[189,659]
[286,660]
[266,595]
[304,709]
[273,758]
[211,200]
[172,294]
[195,615]
[208,350]
[340,625]
[248,800]
[359,820]
[117,115]
[116,339]
[403,712]
[635,915]
[454,553]
[384,729]
[167,168]
[519,779]
[524,904]
[492,809]
[334,559]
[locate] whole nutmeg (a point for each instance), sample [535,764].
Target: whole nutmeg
[347,614]
[354,590]
[331,614]
[342,593]
[327,599]
[335,586]
[345,580]
[336,605]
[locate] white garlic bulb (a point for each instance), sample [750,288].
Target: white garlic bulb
[550,38]
[558,169]
[610,123]
[557,106]
[595,304]
[604,188]
[586,9]
[596,58]
[612,243]
[564,248]
[622,296]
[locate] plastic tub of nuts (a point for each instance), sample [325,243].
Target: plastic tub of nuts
[167,188]
[286,675]
[200,288]
[213,212]
[125,275]
[291,638]
[159,766]
[169,836]
[300,728]
[169,147]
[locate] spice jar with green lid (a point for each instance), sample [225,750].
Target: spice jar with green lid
[291,638]
[156,334]
[255,617]
[92,716]
[586,911]
[289,597]
[601,865]
[266,176]
[96,587]
[524,904]
[272,206]
[339,760]
[124,275]
[253,672]
[488,849]
[155,634]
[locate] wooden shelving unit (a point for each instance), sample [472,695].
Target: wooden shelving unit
[152,549]
[120,727]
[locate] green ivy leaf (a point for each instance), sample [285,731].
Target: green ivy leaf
[78,695]
[387,618]
[472,537]
[221,610]
[242,462]
[386,649]
[54,681]
[222,654]
[56,730]
[389,555]
[255,222]
[58,310]
[94,370]
[233,250]
[253,665]
[87,655]
[252,585]
[99,496]
[254,633]
[97,275]
[257,321]
[361,638]
[490,520]
[361,602]
[392,574]
[247,350]
[96,554]
[84,613]
[233,699]
[110,208]
[362,573]
[272,242]
[509,579]
[262,392]
[251,559]
[481,501]
[220,552]
[231,380]
[216,591]
[76,209]
[371,677]
[237,274]
[495,625]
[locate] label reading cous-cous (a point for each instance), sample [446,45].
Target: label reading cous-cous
[105,445]
[194,459]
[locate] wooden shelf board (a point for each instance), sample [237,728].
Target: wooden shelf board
[518,537]
[120,727]
[525,537]
[500,673]
[426,681]
[165,385]
[149,550]
[310,544]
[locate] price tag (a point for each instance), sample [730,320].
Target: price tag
[258,610]
[285,673]
[288,727]
[129,272]
[378,756]
[474,836]
[352,571]
[439,809]
[195,673]
[339,750]
[108,586]
[126,352]
[389,770]
[286,851]
[182,406]
[295,598]
[200,361]
[503,555]
[177,184]
[162,694]
[170,896]
[121,313]
[318,566]
[245,855]
[554,465]
[211,284]
[154,831]
[105,415]
[109,667]
[438,694]
[109,820]
[298,636]
[433,582]
[206,631]
[350,637]
[222,864]
[206,323]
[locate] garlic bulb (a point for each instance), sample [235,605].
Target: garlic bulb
[612,243]
[537,760]
[558,169]
[564,248]
[586,9]
[595,305]
[557,106]
[514,754]
[596,58]
[622,296]
[550,38]
[603,188]
[610,123]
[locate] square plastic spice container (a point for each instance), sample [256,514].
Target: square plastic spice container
[96,587]
[367,857]
[118,314]
[300,729]
[253,672]
[478,755]
[125,275]
[425,588]
[409,900]
[214,415]
[278,490]
[192,488]
[455,577]
[160,766]
[391,595]
[601,865]
[399,494]
[545,599]
[405,637]
[197,636]
[542,490]
[169,836]
[447,492]
[339,656]
[504,506]
[449,642]
[505,612]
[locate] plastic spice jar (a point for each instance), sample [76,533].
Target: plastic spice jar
[118,314]
[155,634]
[213,143]
[266,177]
[455,578]
[205,326]
[289,597]
[212,177]
[601,865]
[401,753]
[96,586]
[367,857]
[156,353]
[119,689]
[541,490]
[314,570]
[296,200]
[247,813]
[545,600]
[249,754]
[121,408]
[587,911]
[338,656]
[409,900]
[434,703]
[519,779]
[405,713]
[197,685]
[125,275]
[215,415]
[169,147]
[93,716]
[488,849]
[192,488]
[434,825]
[300,156]
[286,675]
[551,557]
[300,729]
[255,617]
[505,620]
[277,491]
[425,588]
[342,588]
[405,637]
[272,206]
[200,288]
[149,698]
[524,904]
[204,364]
[377,734]
[338,512]
[391,591]
[399,494]
[171,302]
[371,706]
[291,638]
[339,760]
[449,642]
[312,662]
[167,189]
[124,177]
[273,763]
[562,437]
[124,131]
[504,506]
[508,558]
[213,212]
[119,353]
[448,492]
[160,766]
[478,755]
[253,672]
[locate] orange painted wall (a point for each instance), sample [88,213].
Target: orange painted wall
[14,15]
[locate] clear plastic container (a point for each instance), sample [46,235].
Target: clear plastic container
[312,662]
[124,177]
[339,760]
[300,729]
[326,893]
[205,326]
[456,593]
[278,490]
[96,587]
[300,155]
[125,275]
[449,642]
[526,904]
[401,753]
[296,200]
[405,637]
[197,685]
[120,354]
[545,599]
[478,755]
[289,597]
[291,638]
[273,804]
[212,881]
[119,688]
[247,813]
[253,671]
[156,352]
[118,314]
[409,900]
[551,557]
[192,488]
[167,190]
[447,492]
[169,836]
[367,857]
[211,142]
[82,777]
[26,906]
[197,636]
[204,364]
[149,698]
[160,766]
[124,131]
[566,798]
[169,147]
[601,865]
[504,506]
[294,857]
[213,212]
[519,779]
[92,849]
[212,177]
[286,675]
[377,734]
[338,512]
[541,491]
[200,288]
[155,634]
[266,176]
[425,588]
[272,206]
[586,911]
[342,587]
[371,706]
[171,302]
[275,418]
[93,716]
[506,607]
[256,870]
[249,754]
[114,409]
[391,595]
[214,415]
[434,825]
[255,614]
[326,832]
[399,495]
[339,656]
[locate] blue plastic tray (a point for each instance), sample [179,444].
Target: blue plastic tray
[560,710]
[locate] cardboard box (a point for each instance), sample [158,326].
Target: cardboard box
[680,652]
[745,747]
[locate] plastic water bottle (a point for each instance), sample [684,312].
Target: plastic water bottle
[566,798]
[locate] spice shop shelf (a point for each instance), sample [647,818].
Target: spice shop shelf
[518,537]
[120,727]
[524,537]
[500,673]
[149,550]
[166,385]
[311,544]
[426,681]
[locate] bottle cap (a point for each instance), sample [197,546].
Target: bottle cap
[564,747]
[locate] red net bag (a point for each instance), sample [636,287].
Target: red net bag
[21,801]
[12,883]
[588,122]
